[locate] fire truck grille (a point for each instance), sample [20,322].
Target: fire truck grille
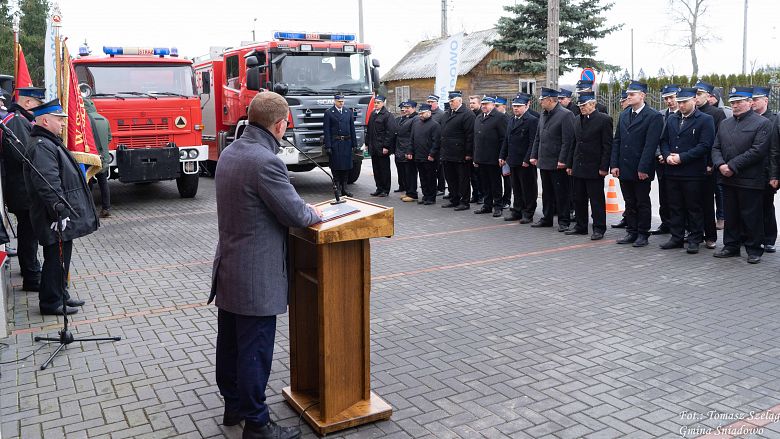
[144,141]
[314,116]
[142,124]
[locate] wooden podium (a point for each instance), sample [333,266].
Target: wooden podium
[330,284]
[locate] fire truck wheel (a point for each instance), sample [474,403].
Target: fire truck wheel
[187,185]
[354,173]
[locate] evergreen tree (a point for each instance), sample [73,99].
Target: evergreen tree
[32,34]
[524,34]
[6,39]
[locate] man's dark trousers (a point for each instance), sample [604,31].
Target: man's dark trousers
[526,190]
[490,179]
[427,171]
[744,209]
[708,209]
[440,182]
[52,278]
[410,169]
[770,222]
[507,183]
[245,350]
[556,195]
[458,180]
[663,198]
[27,248]
[685,208]
[476,185]
[590,190]
[380,164]
[400,175]
[105,193]
[636,194]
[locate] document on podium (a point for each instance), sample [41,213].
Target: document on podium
[333,211]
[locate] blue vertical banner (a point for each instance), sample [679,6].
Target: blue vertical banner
[447,66]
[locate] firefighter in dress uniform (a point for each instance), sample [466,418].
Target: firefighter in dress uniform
[516,152]
[506,198]
[669,96]
[437,114]
[379,136]
[339,130]
[686,146]
[425,138]
[633,161]
[761,106]
[49,156]
[489,133]
[19,120]
[739,154]
[588,164]
[703,93]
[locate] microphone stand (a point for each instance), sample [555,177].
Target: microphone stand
[338,199]
[65,336]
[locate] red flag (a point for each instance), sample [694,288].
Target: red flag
[22,74]
[80,141]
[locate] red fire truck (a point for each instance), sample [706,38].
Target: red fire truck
[148,96]
[306,68]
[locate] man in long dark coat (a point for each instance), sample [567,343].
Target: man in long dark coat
[339,130]
[48,214]
[589,164]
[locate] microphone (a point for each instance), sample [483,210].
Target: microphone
[338,199]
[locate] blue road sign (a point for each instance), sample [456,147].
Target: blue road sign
[588,74]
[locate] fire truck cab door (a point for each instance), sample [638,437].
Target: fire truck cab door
[231,109]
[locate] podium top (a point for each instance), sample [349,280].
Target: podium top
[370,221]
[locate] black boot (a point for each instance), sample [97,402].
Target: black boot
[269,431]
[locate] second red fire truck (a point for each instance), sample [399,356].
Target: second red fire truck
[308,69]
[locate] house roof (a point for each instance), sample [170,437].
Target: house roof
[420,62]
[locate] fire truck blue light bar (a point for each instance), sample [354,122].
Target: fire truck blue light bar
[113,50]
[313,36]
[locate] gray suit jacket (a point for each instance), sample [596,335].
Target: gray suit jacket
[255,206]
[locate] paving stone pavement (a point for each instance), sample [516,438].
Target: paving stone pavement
[479,328]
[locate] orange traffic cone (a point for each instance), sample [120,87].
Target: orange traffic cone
[612,199]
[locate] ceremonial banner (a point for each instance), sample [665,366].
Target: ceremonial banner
[78,137]
[447,66]
[22,74]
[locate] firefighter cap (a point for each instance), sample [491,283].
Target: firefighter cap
[33,92]
[52,107]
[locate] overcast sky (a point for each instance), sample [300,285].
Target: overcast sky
[393,27]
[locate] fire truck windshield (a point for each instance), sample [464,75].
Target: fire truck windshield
[142,80]
[324,73]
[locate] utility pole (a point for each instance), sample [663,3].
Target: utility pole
[360,21]
[443,18]
[254,24]
[553,51]
[744,41]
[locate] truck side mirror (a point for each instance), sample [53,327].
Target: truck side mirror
[252,61]
[253,78]
[281,88]
[375,77]
[374,62]
[205,79]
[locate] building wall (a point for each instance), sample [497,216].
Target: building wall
[482,79]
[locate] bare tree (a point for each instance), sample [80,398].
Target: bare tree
[690,15]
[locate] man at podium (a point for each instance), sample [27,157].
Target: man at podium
[256,204]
